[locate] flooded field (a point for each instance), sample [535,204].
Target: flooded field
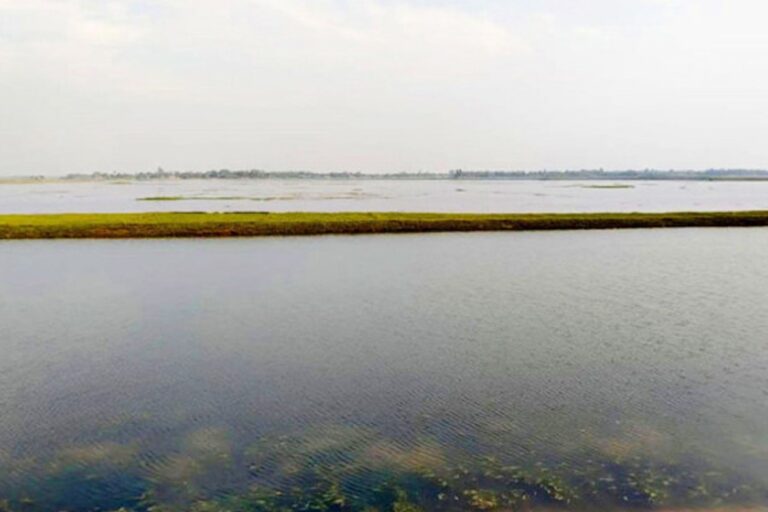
[487,371]
[383,195]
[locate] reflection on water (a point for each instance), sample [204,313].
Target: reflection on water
[526,371]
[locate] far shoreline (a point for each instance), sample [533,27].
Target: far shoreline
[254,224]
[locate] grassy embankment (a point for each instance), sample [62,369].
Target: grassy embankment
[156,225]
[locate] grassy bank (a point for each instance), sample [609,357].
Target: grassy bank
[156,225]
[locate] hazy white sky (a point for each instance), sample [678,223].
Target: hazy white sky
[382,85]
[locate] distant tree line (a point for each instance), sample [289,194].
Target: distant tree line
[601,174]
[456,174]
[226,174]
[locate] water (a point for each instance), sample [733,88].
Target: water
[371,195]
[525,371]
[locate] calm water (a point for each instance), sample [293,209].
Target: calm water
[592,370]
[370,195]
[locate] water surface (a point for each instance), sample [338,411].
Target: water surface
[490,196]
[485,371]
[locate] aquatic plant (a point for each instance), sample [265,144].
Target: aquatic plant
[160,198]
[340,468]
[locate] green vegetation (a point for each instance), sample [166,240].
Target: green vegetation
[198,224]
[161,198]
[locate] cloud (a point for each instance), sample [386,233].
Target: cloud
[398,37]
[402,24]
[379,84]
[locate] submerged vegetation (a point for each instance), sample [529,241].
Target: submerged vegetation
[199,224]
[349,469]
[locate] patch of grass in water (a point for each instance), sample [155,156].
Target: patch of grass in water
[174,224]
[161,198]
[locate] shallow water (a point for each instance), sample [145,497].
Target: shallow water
[372,195]
[592,370]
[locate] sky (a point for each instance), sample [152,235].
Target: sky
[381,85]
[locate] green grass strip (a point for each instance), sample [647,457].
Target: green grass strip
[159,225]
